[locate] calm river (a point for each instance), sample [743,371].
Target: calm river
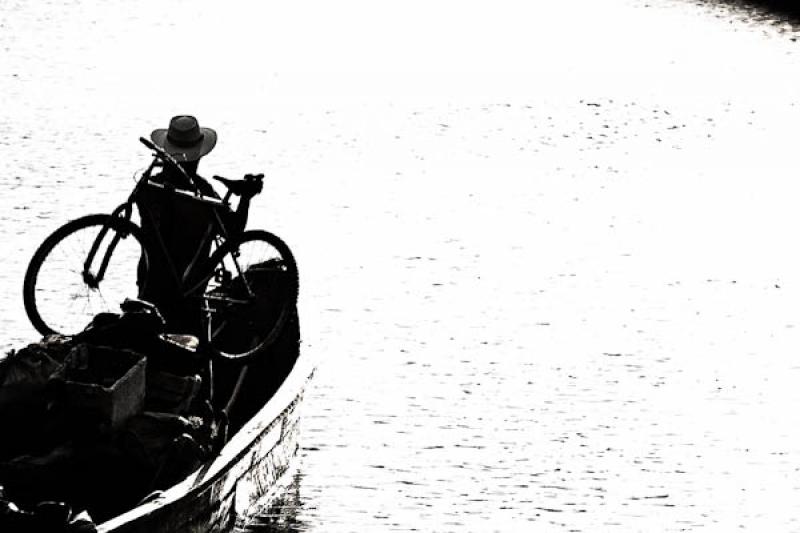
[548,255]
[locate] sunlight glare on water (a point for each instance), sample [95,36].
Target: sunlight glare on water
[546,251]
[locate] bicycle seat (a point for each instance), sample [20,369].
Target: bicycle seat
[250,184]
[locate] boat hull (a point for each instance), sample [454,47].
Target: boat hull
[248,469]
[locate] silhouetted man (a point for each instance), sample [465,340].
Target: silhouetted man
[183,225]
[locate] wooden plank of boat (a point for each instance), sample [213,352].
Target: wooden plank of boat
[247,470]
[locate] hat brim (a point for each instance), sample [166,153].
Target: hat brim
[186,153]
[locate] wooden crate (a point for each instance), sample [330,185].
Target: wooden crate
[103,385]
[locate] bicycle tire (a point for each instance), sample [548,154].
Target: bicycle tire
[53,310]
[245,325]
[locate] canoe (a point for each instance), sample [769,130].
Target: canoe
[249,468]
[253,465]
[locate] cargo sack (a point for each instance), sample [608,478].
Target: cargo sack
[137,328]
[25,393]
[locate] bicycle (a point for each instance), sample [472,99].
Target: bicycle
[247,286]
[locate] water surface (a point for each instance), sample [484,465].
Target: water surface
[547,254]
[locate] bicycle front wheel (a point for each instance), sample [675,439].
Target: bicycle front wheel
[63,291]
[251,296]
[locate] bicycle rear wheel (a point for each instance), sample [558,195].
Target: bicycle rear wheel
[251,295]
[58,294]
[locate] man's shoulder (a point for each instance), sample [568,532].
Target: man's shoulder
[179,182]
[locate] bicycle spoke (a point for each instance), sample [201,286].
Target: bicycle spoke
[86,302]
[256,298]
[57,297]
[106,307]
[218,329]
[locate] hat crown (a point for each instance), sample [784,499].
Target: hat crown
[184,130]
[185,140]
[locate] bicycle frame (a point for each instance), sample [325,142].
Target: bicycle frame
[216,231]
[239,286]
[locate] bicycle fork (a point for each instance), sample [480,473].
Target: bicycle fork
[93,280]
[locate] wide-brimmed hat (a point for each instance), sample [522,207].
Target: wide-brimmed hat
[185,140]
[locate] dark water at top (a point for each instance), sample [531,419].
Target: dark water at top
[547,253]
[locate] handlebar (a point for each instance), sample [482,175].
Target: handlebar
[167,158]
[160,152]
[149,144]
